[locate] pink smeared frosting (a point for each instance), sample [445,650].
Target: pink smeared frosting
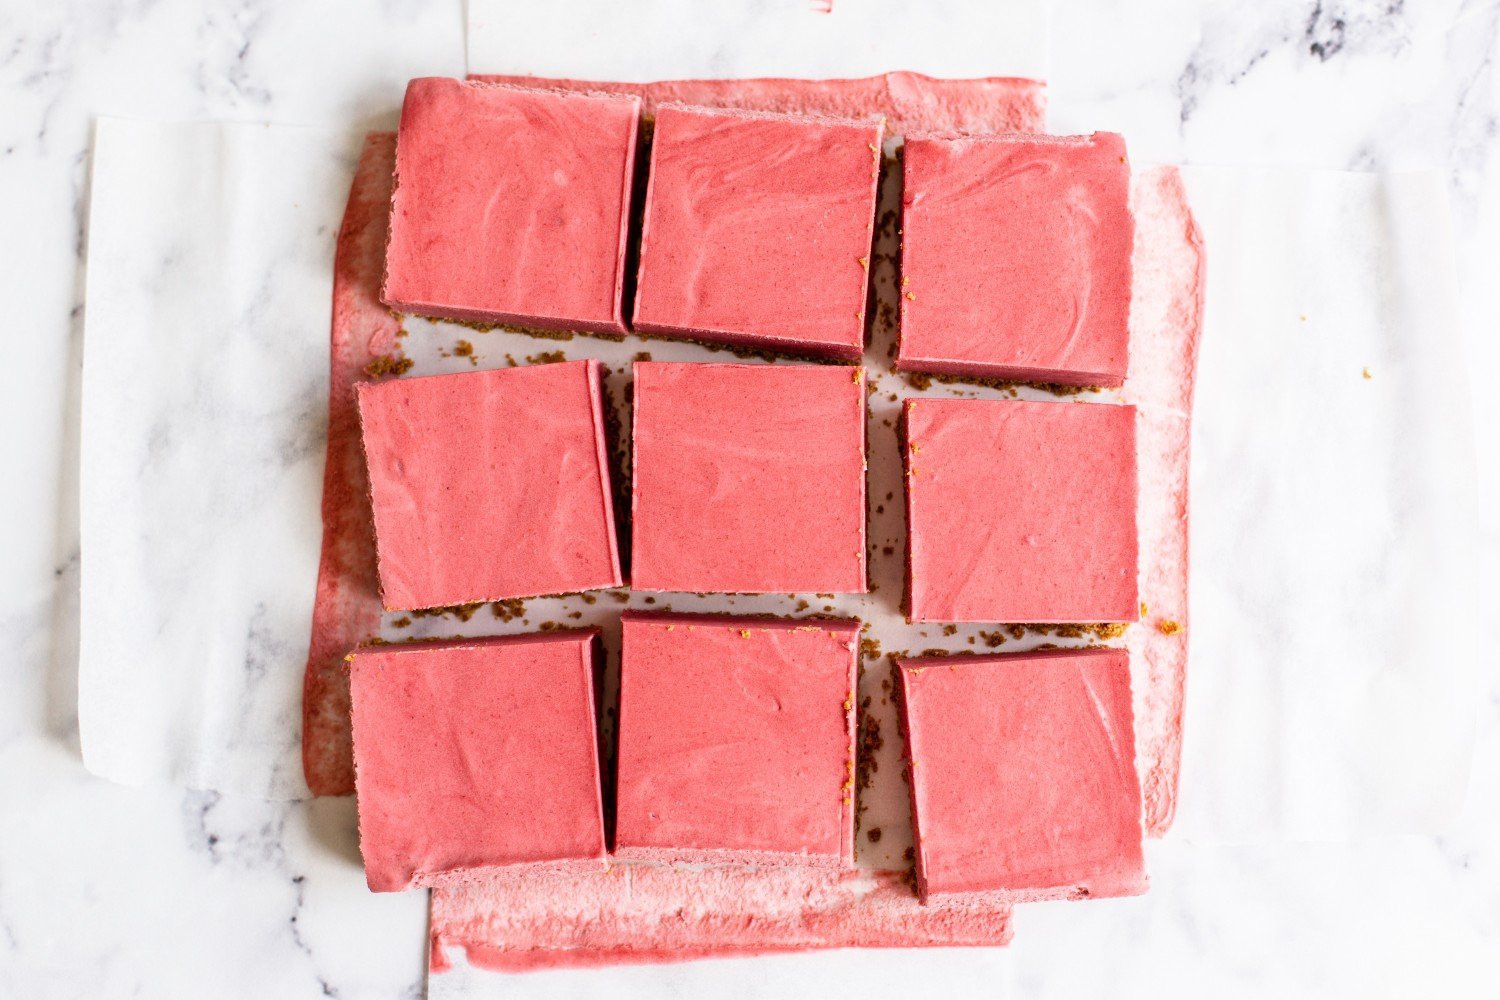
[736,740]
[748,478]
[1022,771]
[512,205]
[1020,511]
[1015,257]
[1165,323]
[477,755]
[490,485]
[757,229]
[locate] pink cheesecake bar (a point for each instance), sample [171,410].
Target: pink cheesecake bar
[1020,511]
[758,229]
[748,478]
[1015,257]
[1022,774]
[477,756]
[512,205]
[736,740]
[490,485]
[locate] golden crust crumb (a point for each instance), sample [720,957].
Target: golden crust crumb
[388,365]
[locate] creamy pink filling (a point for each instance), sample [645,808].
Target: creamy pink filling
[1015,257]
[647,913]
[490,485]
[512,205]
[1165,323]
[1021,511]
[1022,771]
[757,229]
[736,740]
[748,478]
[478,754]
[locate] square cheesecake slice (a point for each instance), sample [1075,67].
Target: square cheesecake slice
[1020,511]
[490,485]
[512,205]
[476,757]
[748,478]
[758,229]
[736,740]
[1022,774]
[1015,257]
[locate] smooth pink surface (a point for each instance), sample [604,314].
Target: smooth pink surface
[748,478]
[1015,257]
[907,100]
[490,485]
[736,739]
[476,754]
[758,228]
[512,205]
[1023,775]
[1020,511]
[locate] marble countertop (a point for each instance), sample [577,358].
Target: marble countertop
[108,891]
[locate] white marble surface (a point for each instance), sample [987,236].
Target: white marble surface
[1333,503]
[107,891]
[648,40]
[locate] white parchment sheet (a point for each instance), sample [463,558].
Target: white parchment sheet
[1331,680]
[205,399]
[645,40]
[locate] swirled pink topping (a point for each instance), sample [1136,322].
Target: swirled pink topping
[476,756]
[1015,257]
[1023,777]
[1021,511]
[736,740]
[490,485]
[748,478]
[511,205]
[758,228]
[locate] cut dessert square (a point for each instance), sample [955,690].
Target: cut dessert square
[736,740]
[1022,773]
[1020,511]
[476,755]
[1015,257]
[512,206]
[748,478]
[490,485]
[758,229]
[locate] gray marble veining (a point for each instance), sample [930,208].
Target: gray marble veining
[115,892]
